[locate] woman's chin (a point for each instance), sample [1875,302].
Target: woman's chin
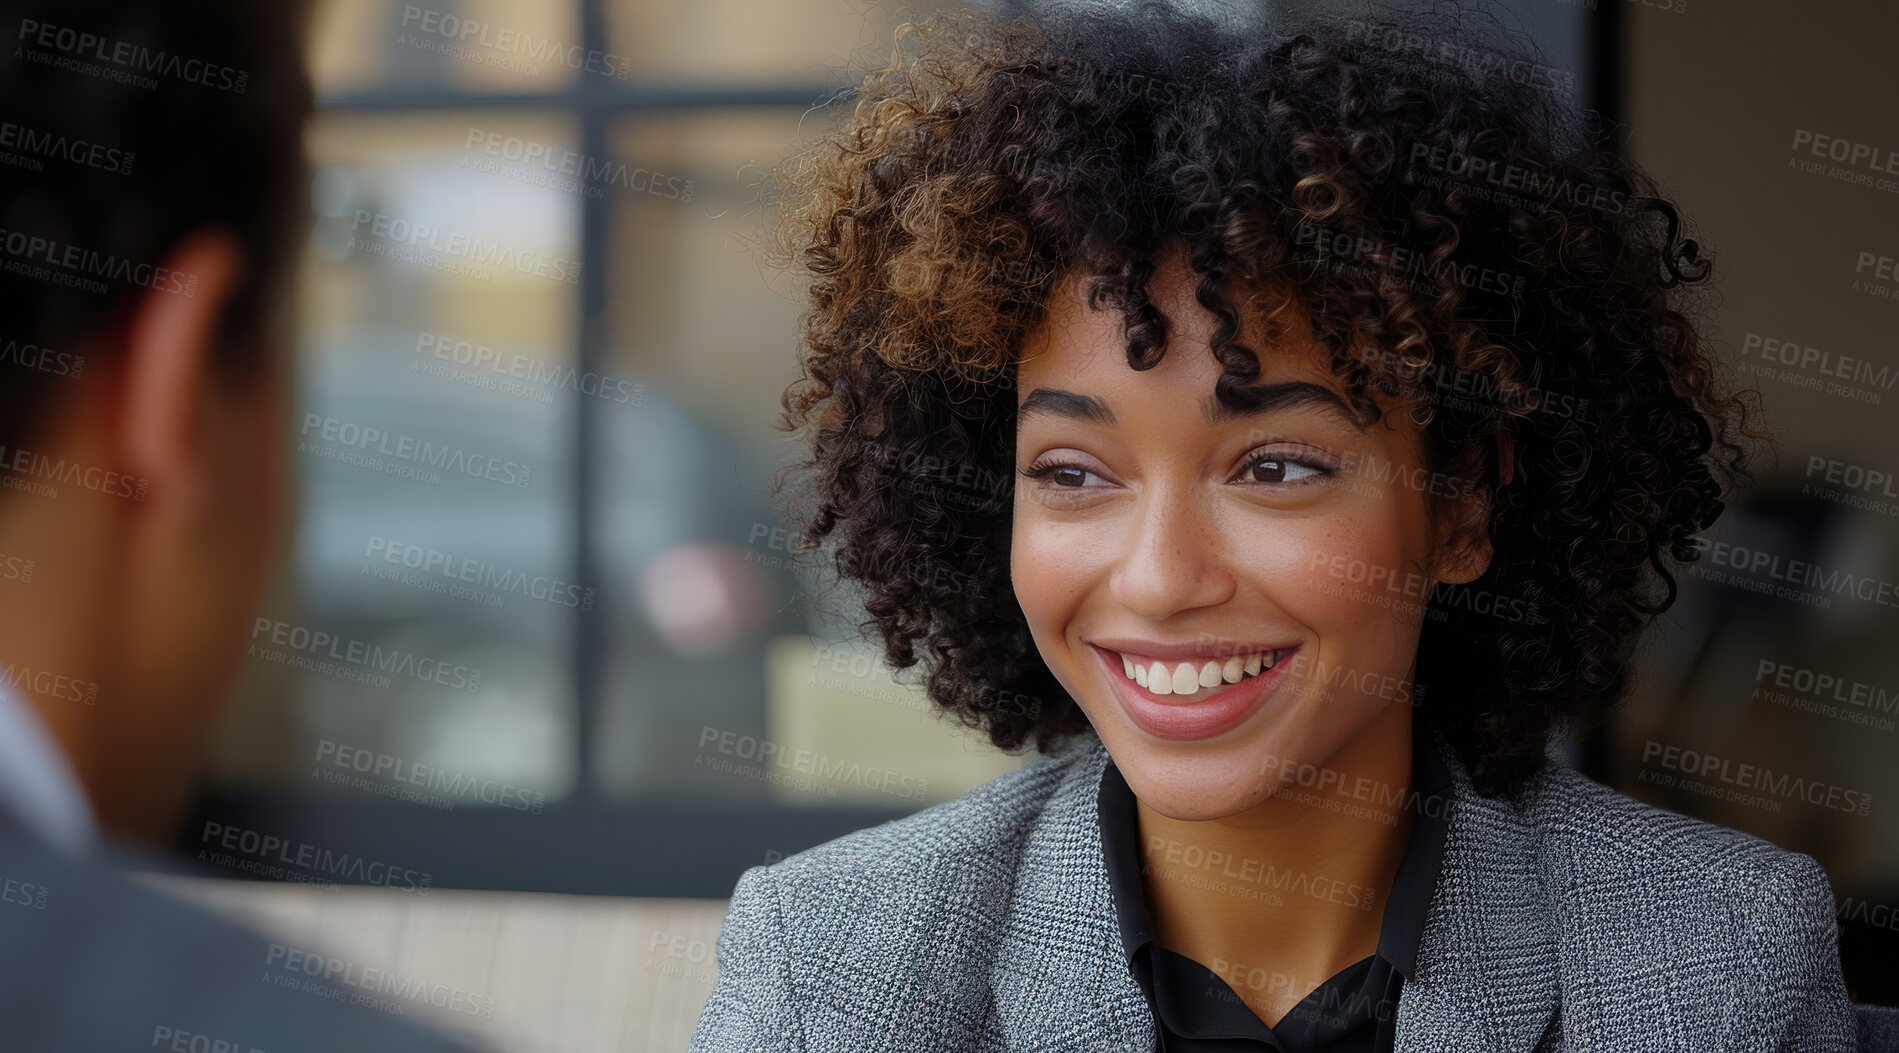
[1191,807]
[1198,794]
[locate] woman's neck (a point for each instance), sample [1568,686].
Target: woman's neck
[1278,898]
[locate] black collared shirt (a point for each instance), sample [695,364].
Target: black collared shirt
[1354,1011]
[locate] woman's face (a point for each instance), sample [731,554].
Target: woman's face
[1288,541]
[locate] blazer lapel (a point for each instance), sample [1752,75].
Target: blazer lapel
[1487,969]
[1060,974]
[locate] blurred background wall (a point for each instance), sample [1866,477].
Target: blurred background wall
[1774,128]
[541,630]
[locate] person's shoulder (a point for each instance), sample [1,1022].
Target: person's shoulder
[1646,891]
[1595,835]
[958,858]
[1605,833]
[180,973]
[979,831]
[888,928]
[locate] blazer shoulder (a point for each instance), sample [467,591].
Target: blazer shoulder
[1596,836]
[1605,834]
[981,828]
[1659,893]
[915,903]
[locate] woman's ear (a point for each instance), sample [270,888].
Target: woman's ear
[1464,542]
[1462,527]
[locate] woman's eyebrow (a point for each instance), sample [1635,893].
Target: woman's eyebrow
[1266,399]
[1283,395]
[1058,403]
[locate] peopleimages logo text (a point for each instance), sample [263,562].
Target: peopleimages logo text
[586,170]
[360,653]
[409,449]
[460,245]
[374,980]
[1798,572]
[310,858]
[374,763]
[470,32]
[478,572]
[37,142]
[1758,779]
[531,368]
[129,56]
[34,465]
[91,263]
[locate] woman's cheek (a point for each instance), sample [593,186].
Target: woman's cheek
[1287,561]
[1359,589]
[1043,567]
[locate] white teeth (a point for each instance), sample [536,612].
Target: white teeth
[1185,679]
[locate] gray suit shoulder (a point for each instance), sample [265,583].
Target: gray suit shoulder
[1602,832]
[977,831]
[1696,896]
[92,959]
[908,902]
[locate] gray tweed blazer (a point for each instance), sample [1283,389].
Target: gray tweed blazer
[1585,921]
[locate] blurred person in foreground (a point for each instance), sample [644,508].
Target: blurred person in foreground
[152,196]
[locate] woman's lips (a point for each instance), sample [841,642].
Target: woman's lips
[1169,717]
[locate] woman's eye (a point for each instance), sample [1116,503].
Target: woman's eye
[1062,476]
[1269,470]
[1276,470]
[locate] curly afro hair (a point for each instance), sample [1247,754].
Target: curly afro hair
[1441,218]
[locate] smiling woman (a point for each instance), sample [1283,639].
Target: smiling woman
[1157,556]
[1328,482]
[1155,550]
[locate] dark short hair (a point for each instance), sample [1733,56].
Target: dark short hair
[1455,231]
[125,127]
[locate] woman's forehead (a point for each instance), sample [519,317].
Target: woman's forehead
[1079,343]
[1272,319]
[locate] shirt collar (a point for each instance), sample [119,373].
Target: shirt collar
[1121,849]
[37,783]
[1402,925]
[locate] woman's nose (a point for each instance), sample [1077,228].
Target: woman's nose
[1174,559]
